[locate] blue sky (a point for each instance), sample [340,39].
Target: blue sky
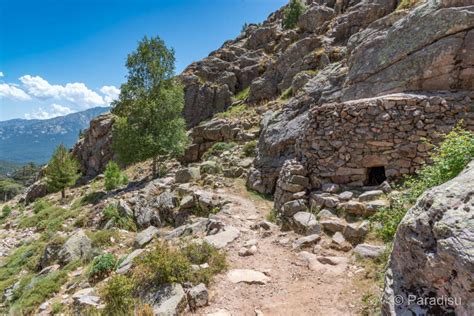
[62,56]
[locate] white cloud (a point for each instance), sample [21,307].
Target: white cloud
[111,93]
[12,92]
[54,111]
[61,110]
[76,93]
[1,74]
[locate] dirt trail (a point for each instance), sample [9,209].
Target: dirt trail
[294,288]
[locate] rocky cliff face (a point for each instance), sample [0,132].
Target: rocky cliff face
[384,51]
[94,150]
[433,253]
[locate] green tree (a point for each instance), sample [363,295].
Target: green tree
[113,176]
[149,120]
[292,13]
[62,171]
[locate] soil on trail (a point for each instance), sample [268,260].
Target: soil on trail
[294,287]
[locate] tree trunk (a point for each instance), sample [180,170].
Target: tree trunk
[155,162]
[63,194]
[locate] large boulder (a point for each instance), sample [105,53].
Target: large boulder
[433,253]
[435,57]
[35,191]
[77,247]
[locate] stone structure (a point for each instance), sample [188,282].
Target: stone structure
[365,141]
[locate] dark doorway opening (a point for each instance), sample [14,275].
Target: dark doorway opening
[376,176]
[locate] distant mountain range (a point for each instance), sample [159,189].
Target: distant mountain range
[23,141]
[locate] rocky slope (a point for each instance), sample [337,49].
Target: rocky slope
[321,117]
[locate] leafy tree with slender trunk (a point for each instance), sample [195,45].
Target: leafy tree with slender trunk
[62,171]
[149,121]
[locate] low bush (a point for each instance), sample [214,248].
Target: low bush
[103,237]
[233,112]
[163,265]
[124,222]
[217,149]
[6,211]
[288,93]
[118,296]
[114,178]
[407,4]
[250,148]
[242,95]
[102,266]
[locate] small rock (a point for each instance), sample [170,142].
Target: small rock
[198,296]
[333,224]
[223,238]
[353,207]
[306,223]
[144,237]
[346,195]
[306,241]
[369,251]
[126,264]
[330,188]
[374,206]
[245,252]
[167,299]
[339,242]
[187,202]
[371,195]
[247,276]
[354,232]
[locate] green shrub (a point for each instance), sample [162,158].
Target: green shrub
[103,237]
[217,149]
[204,253]
[124,222]
[92,198]
[242,95]
[292,13]
[234,111]
[448,160]
[288,93]
[38,290]
[388,218]
[49,218]
[272,216]
[114,178]
[163,265]
[102,266]
[118,296]
[40,205]
[407,4]
[6,211]
[250,148]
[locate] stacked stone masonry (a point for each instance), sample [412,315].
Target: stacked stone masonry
[343,141]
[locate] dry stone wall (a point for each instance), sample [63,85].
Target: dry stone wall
[343,141]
